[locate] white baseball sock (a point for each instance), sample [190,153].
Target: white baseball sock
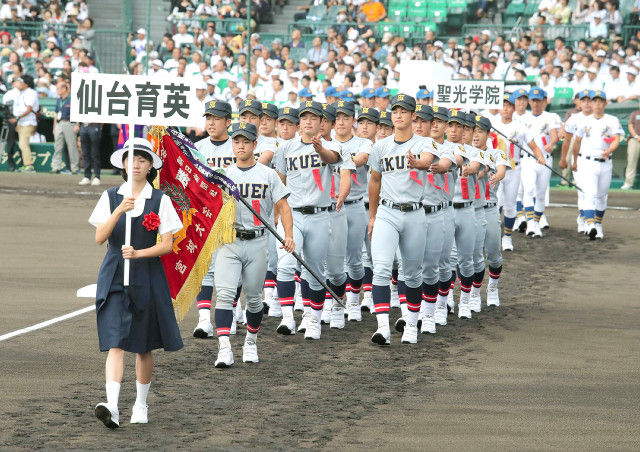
[141,393]
[113,393]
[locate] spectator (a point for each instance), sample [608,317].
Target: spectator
[87,33]
[65,133]
[317,54]
[613,17]
[24,111]
[139,45]
[633,150]
[206,9]
[562,12]
[296,40]
[597,26]
[6,11]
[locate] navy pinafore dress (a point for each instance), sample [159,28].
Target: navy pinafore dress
[144,320]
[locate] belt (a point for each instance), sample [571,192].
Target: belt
[490,204]
[432,209]
[353,201]
[366,205]
[402,207]
[242,234]
[446,204]
[310,210]
[461,205]
[595,159]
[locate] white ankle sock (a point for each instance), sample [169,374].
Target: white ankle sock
[252,336]
[429,308]
[268,293]
[113,393]
[141,393]
[412,317]
[383,320]
[404,309]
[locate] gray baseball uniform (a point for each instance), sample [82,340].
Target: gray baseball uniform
[492,245]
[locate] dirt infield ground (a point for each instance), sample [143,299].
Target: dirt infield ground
[556,367]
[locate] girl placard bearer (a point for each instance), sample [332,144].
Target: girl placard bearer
[139,318]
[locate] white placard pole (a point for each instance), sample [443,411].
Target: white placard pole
[127,234]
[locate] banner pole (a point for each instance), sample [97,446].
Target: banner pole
[127,236]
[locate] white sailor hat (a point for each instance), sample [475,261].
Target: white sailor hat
[139,144]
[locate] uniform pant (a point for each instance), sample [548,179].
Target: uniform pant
[392,230]
[273,253]
[433,249]
[65,135]
[478,247]
[492,237]
[535,181]
[448,236]
[633,152]
[208,279]
[595,178]
[24,134]
[312,241]
[244,260]
[510,186]
[337,248]
[465,238]
[90,140]
[357,221]
[366,249]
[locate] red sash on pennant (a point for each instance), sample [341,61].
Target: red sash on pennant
[487,192]
[414,177]
[255,203]
[464,187]
[317,178]
[432,181]
[478,196]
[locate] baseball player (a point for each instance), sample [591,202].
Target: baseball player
[246,257]
[437,159]
[573,123]
[542,128]
[368,119]
[446,181]
[305,166]
[385,126]
[422,97]
[510,186]
[520,115]
[396,219]
[340,187]
[287,124]
[217,151]
[382,98]
[464,214]
[498,164]
[598,138]
[368,98]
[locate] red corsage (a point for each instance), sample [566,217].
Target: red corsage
[151,221]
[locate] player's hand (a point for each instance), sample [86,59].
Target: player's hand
[339,203]
[606,154]
[548,148]
[541,160]
[574,167]
[289,245]
[128,252]
[127,204]
[317,143]
[412,161]
[370,227]
[465,170]
[493,180]
[562,163]
[435,168]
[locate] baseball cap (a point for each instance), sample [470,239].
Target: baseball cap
[537,93]
[385,119]
[519,93]
[331,91]
[422,94]
[441,113]
[369,113]
[290,114]
[269,110]
[383,91]
[245,129]
[157,62]
[217,108]
[252,106]
[312,107]
[305,92]
[424,112]
[344,106]
[598,94]
[368,93]
[584,93]
[329,112]
[482,122]
[346,95]
[404,101]
[142,31]
[508,98]
[457,116]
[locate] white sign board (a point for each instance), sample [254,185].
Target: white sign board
[139,99]
[469,94]
[415,73]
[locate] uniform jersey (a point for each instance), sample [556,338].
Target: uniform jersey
[400,184]
[345,164]
[597,134]
[261,187]
[434,183]
[493,158]
[574,122]
[538,128]
[446,181]
[265,144]
[515,132]
[308,177]
[217,154]
[465,186]
[359,179]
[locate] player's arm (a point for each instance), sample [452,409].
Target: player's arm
[554,139]
[375,183]
[501,171]
[576,151]
[612,147]
[472,168]
[284,211]
[537,153]
[266,157]
[565,149]
[283,178]
[326,155]
[361,159]
[423,163]
[345,188]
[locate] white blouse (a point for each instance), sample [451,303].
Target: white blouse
[169,219]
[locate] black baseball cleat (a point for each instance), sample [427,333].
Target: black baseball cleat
[400,323]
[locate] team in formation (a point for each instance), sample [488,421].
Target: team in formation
[389,207]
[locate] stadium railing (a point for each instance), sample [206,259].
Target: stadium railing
[569,32]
